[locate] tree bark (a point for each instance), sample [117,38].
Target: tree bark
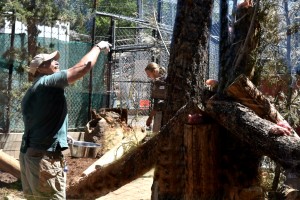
[188,64]
[236,60]
[245,92]
[202,167]
[32,36]
[187,72]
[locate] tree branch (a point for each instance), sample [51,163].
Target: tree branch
[243,123]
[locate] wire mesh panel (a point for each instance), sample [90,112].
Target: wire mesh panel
[146,38]
[130,83]
[137,38]
[77,94]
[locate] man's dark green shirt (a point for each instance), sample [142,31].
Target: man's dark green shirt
[44,111]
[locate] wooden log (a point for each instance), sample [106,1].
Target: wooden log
[118,173]
[245,92]
[113,154]
[250,128]
[202,178]
[9,164]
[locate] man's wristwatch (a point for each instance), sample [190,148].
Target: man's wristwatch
[98,47]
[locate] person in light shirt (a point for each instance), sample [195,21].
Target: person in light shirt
[157,74]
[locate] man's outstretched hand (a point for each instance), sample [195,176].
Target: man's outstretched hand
[104,45]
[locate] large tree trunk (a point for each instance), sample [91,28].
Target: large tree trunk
[32,36]
[187,72]
[188,65]
[202,166]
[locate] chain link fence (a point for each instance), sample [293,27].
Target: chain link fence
[137,38]
[140,32]
[77,94]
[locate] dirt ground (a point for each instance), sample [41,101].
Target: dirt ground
[11,186]
[76,166]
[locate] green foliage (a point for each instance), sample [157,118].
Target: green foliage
[38,12]
[127,8]
[273,59]
[79,13]
[291,114]
[272,49]
[269,56]
[43,11]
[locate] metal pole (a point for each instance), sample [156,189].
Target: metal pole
[140,8]
[140,16]
[91,72]
[112,40]
[158,17]
[10,74]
